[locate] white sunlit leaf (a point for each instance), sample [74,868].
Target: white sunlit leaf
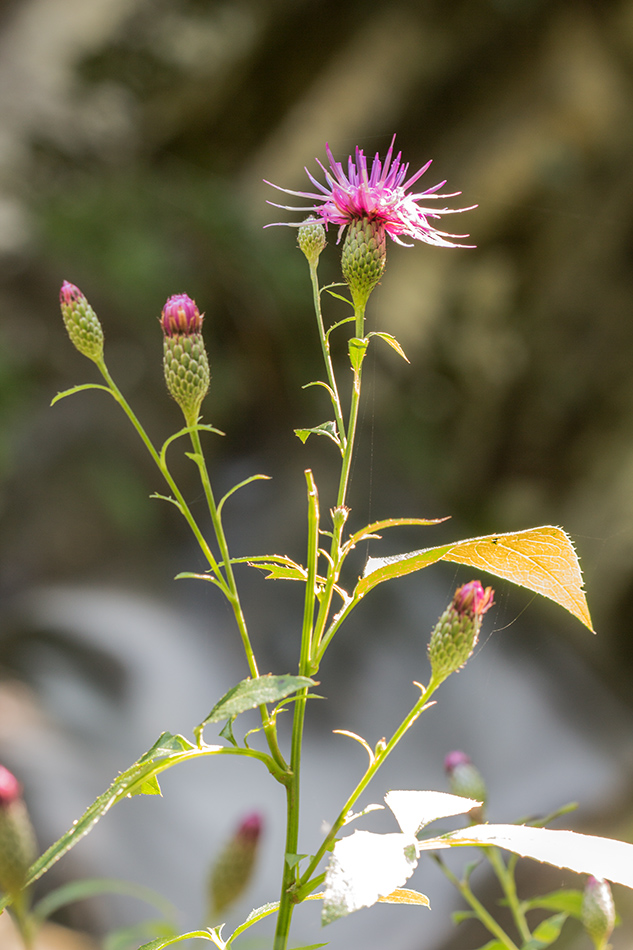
[605,858]
[415,809]
[363,867]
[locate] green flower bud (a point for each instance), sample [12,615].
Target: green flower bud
[233,868]
[364,258]
[81,322]
[598,912]
[311,239]
[17,839]
[457,631]
[185,359]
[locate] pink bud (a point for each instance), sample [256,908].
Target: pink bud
[471,598]
[10,788]
[181,316]
[250,828]
[69,294]
[454,759]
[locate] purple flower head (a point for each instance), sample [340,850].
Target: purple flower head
[379,195]
[181,316]
[471,598]
[10,788]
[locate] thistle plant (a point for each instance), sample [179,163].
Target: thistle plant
[368,206]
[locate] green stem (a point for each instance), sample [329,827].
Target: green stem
[286,900]
[232,595]
[506,879]
[184,508]
[487,919]
[305,885]
[327,359]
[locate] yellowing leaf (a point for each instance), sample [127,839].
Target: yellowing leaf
[403,895]
[541,559]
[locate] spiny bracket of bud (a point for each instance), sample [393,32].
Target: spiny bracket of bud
[311,239]
[598,912]
[466,780]
[364,258]
[17,840]
[185,359]
[233,868]
[456,633]
[81,322]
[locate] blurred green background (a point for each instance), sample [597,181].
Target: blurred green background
[134,137]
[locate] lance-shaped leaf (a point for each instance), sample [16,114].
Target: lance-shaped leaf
[541,559]
[605,858]
[166,751]
[251,693]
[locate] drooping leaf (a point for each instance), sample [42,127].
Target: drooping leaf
[87,888]
[165,752]
[364,867]
[541,559]
[393,343]
[604,858]
[414,809]
[251,693]
[405,896]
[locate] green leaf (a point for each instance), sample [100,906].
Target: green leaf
[162,942]
[459,916]
[166,751]
[371,529]
[150,787]
[541,559]
[326,428]
[125,937]
[78,389]
[227,732]
[82,890]
[277,572]
[546,933]
[494,945]
[605,858]
[569,901]
[357,348]
[251,693]
[393,343]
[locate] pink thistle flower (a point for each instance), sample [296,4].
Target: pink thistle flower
[379,195]
[181,316]
[471,598]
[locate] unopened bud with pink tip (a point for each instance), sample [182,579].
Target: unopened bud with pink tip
[81,322]
[465,779]
[598,912]
[456,633]
[185,359]
[17,840]
[233,868]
